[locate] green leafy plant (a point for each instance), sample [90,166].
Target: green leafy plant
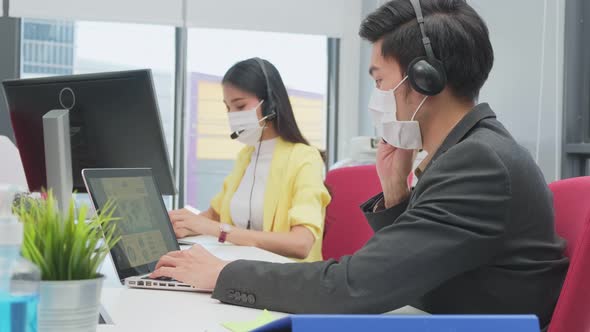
[63,247]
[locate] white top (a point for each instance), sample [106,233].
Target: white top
[250,192]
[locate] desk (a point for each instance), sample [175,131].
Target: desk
[165,311]
[173,311]
[168,311]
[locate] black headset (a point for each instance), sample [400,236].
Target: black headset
[426,73]
[268,107]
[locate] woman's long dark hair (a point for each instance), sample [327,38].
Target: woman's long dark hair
[248,76]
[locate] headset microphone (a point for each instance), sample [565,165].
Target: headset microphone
[237,133]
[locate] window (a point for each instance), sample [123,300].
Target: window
[210,154]
[104,47]
[51,47]
[64,48]
[45,45]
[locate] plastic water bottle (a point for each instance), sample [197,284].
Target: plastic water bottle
[19,278]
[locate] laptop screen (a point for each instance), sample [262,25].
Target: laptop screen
[144,225]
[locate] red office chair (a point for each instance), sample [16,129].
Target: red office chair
[572,219]
[346,229]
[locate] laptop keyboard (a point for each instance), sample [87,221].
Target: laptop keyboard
[159,283]
[160,279]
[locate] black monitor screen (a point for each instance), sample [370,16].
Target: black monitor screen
[114,123]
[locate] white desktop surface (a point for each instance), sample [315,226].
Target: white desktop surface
[148,310]
[154,310]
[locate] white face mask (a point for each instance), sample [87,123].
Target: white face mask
[246,123]
[383,110]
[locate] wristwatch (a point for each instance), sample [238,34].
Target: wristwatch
[224,229]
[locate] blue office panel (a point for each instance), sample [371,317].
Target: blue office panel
[412,323]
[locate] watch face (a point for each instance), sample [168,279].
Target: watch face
[225,227]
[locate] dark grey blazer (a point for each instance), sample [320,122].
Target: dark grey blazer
[476,236]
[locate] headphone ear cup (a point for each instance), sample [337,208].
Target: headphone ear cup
[427,76]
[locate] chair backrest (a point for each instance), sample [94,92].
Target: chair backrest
[572,220]
[346,229]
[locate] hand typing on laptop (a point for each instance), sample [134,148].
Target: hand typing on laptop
[145,229]
[195,266]
[187,223]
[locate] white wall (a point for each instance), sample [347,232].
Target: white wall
[167,12]
[524,89]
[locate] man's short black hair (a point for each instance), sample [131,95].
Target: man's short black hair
[459,37]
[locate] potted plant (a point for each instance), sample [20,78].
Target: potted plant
[69,251]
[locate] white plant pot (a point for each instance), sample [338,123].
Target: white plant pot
[68,306]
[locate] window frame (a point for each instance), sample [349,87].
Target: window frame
[576,105]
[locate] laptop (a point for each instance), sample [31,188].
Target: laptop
[144,226]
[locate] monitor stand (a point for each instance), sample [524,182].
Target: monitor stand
[58,156]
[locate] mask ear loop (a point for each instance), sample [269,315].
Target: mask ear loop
[264,117]
[258,105]
[419,107]
[400,83]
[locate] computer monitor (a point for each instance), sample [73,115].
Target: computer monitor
[114,123]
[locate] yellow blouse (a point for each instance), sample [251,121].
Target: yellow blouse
[295,193]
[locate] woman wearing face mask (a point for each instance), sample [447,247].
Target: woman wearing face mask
[274,198]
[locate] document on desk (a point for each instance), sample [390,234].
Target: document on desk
[232,253]
[407,310]
[264,318]
[192,209]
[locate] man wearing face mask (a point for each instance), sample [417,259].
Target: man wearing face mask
[476,235]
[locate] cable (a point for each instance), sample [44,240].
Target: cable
[542,83]
[249,225]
